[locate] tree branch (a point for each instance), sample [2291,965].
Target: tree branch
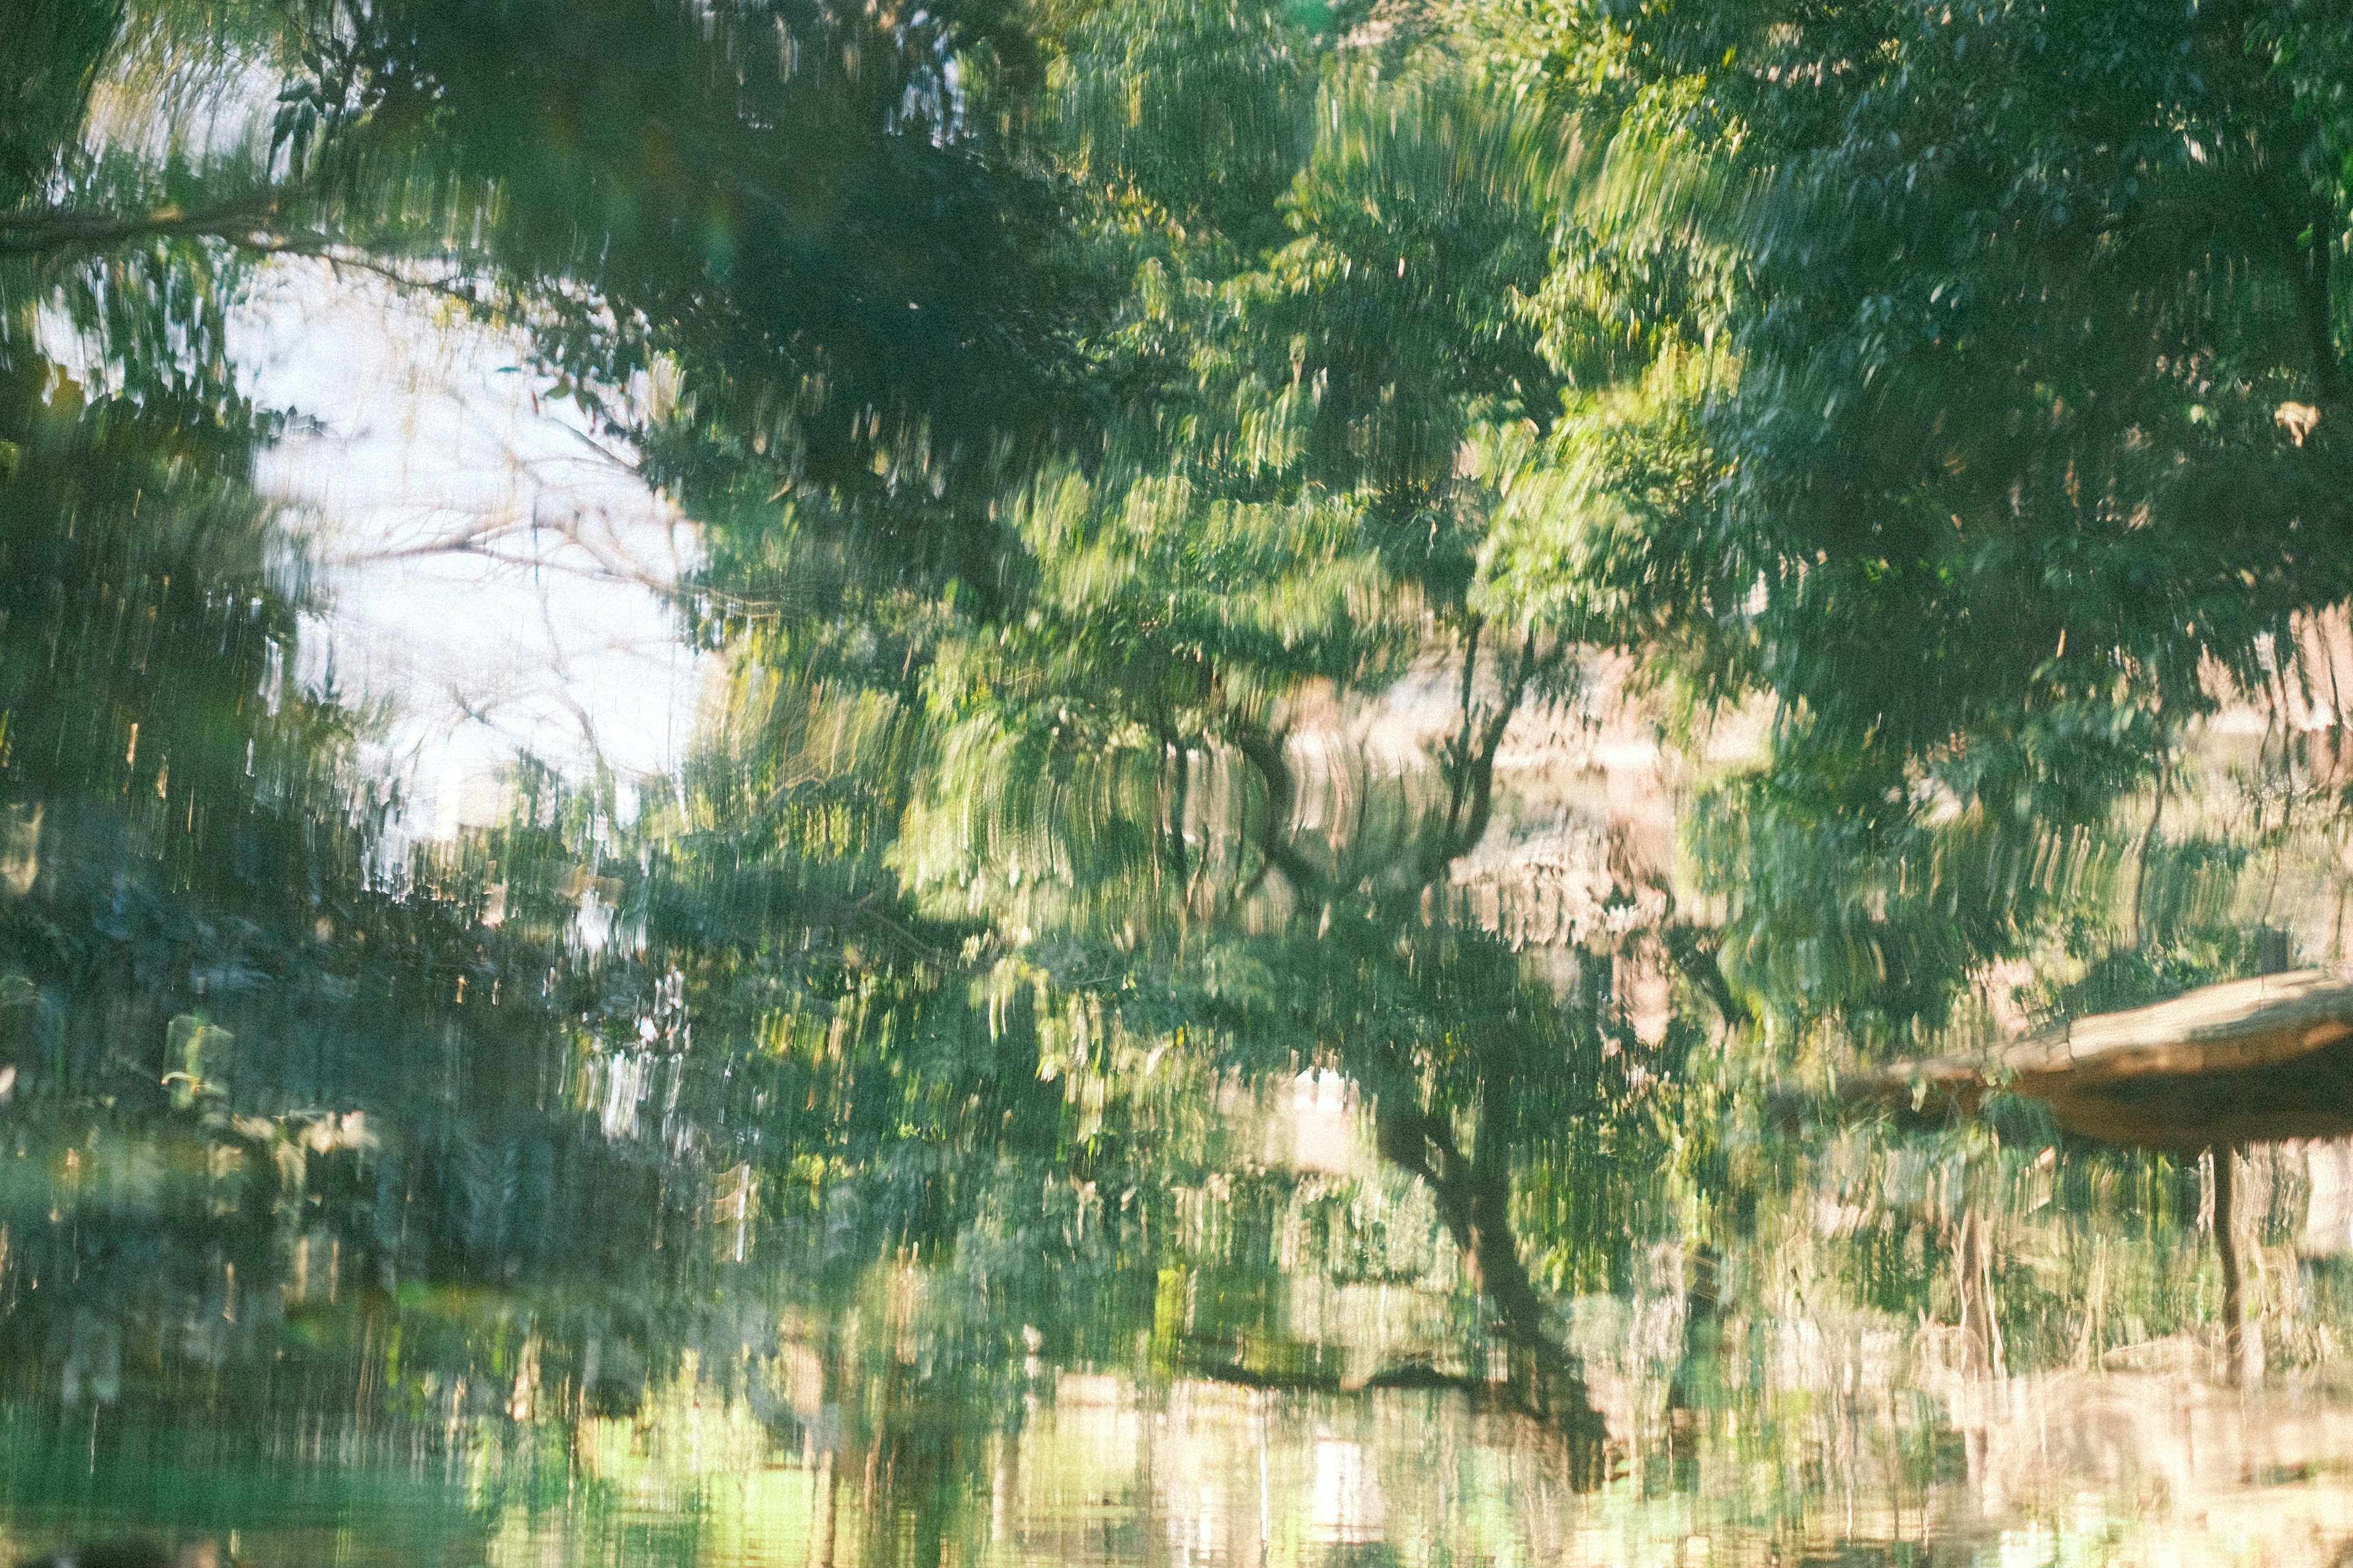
[243,222]
[1697,958]
[42,232]
[2313,306]
[1179,803]
[1263,751]
[2308,269]
[1473,1198]
[1462,745]
[1470,759]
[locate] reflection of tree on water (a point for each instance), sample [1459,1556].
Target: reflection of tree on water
[1177,504]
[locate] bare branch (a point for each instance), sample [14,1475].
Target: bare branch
[44,233]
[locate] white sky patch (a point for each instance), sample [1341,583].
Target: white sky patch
[494,572]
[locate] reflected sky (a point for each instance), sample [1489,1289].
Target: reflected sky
[496,572]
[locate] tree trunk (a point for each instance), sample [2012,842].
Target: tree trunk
[1474,1200]
[41,233]
[2240,1349]
[822,1528]
[1973,1276]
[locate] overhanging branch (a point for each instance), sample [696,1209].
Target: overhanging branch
[47,232]
[1473,1198]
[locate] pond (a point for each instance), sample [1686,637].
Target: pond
[1343,784]
[1253,1394]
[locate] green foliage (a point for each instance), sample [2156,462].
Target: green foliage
[1990,354]
[58,47]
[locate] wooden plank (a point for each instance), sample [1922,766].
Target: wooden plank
[2216,1029]
[2308,1096]
[2240,1027]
